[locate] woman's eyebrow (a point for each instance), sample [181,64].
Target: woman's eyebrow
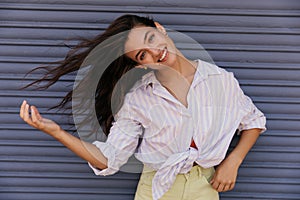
[137,55]
[146,36]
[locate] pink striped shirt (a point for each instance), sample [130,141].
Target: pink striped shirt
[217,107]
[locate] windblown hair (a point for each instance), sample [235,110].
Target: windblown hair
[110,76]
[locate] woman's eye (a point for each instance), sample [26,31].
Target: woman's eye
[143,55]
[151,38]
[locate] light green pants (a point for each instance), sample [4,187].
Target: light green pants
[191,186]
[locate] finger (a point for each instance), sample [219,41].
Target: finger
[213,179]
[26,112]
[231,186]
[27,117]
[226,187]
[22,109]
[220,187]
[33,116]
[215,185]
[36,113]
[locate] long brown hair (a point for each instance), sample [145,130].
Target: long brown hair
[110,76]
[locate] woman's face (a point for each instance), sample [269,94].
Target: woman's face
[149,46]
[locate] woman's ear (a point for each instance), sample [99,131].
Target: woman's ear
[141,66]
[160,28]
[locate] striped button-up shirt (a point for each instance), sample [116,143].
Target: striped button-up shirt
[217,107]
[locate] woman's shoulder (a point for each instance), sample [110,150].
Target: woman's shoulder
[139,88]
[214,73]
[210,68]
[141,84]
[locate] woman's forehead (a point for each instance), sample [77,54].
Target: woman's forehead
[136,38]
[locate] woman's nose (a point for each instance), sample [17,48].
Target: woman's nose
[154,51]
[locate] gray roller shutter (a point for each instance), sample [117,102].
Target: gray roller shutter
[258,40]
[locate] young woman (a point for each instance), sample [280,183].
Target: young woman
[185,111]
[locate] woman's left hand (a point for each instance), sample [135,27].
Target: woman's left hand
[226,173]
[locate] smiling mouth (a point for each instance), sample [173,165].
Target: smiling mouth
[164,55]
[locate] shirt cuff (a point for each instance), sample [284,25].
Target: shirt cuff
[109,152]
[257,123]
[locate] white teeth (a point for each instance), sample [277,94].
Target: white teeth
[163,55]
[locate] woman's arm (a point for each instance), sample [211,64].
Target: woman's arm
[85,150]
[226,173]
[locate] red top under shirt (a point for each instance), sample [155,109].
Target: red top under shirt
[193,144]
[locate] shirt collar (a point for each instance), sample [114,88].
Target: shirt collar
[203,71]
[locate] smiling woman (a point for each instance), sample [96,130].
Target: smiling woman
[185,112]
[150,45]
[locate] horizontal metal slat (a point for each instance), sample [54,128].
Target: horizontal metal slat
[35,195]
[283,124]
[258,196]
[284,173]
[41,102]
[265,77]
[35,151]
[283,154]
[32,93]
[271,91]
[37,96]
[83,185]
[287,121]
[231,4]
[59,37]
[245,56]
[46,54]
[260,156]
[151,9]
[280,141]
[81,170]
[274,83]
[15,118]
[12,43]
[33,51]
[268,186]
[42,159]
[24,132]
[94,186]
[65,193]
[16,85]
[194,19]
[267,97]
[98,27]
[19,67]
[49,48]
[31,60]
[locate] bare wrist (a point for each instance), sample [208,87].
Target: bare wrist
[235,159]
[57,134]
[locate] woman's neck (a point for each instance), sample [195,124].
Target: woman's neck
[183,68]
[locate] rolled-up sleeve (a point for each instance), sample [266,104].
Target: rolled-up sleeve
[122,140]
[253,117]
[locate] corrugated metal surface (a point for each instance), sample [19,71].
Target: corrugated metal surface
[258,40]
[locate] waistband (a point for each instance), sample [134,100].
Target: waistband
[196,169]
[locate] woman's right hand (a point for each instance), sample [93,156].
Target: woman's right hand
[37,121]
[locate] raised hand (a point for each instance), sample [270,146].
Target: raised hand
[37,121]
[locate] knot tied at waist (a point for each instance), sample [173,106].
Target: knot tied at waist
[179,163]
